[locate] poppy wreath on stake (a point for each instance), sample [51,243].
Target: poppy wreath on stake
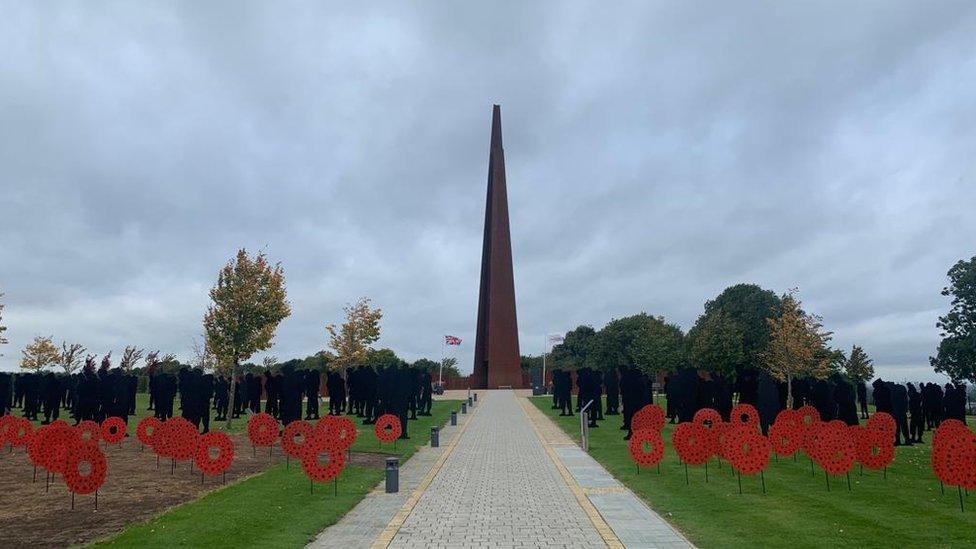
[784,437]
[747,449]
[225,453]
[113,430]
[20,432]
[54,447]
[294,430]
[646,447]
[789,416]
[811,434]
[6,426]
[691,442]
[808,416]
[874,449]
[651,416]
[835,448]
[957,456]
[941,447]
[962,459]
[882,421]
[311,465]
[719,434]
[185,438]
[325,425]
[262,429]
[707,417]
[146,430]
[745,414]
[387,428]
[59,455]
[89,431]
[342,430]
[162,439]
[34,451]
[85,453]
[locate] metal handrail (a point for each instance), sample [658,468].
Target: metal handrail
[585,427]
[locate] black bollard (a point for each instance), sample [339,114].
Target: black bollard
[470,401]
[476,397]
[464,407]
[453,418]
[435,437]
[392,475]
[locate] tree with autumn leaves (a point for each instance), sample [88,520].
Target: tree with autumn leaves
[39,354]
[353,339]
[248,303]
[797,345]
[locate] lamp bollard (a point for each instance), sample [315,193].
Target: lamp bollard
[470,401]
[453,418]
[392,475]
[435,437]
[464,407]
[476,397]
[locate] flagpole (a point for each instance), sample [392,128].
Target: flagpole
[545,344]
[440,376]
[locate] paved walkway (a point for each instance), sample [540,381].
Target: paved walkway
[507,476]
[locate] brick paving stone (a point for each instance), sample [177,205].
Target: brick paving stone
[498,489]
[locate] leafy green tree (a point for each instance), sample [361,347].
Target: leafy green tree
[427,365]
[858,366]
[576,350]
[531,363]
[750,308]
[248,303]
[716,344]
[321,361]
[956,356]
[382,358]
[836,359]
[659,347]
[613,345]
[451,367]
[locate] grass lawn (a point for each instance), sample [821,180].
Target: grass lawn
[906,510]
[274,508]
[142,402]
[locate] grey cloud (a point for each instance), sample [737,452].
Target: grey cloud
[656,154]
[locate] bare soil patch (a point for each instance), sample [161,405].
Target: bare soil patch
[135,491]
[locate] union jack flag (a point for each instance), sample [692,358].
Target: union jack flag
[452,340]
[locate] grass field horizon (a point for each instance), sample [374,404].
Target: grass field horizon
[275,508]
[907,509]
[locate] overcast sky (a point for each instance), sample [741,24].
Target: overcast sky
[656,152]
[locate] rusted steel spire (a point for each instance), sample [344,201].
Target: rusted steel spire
[496,352]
